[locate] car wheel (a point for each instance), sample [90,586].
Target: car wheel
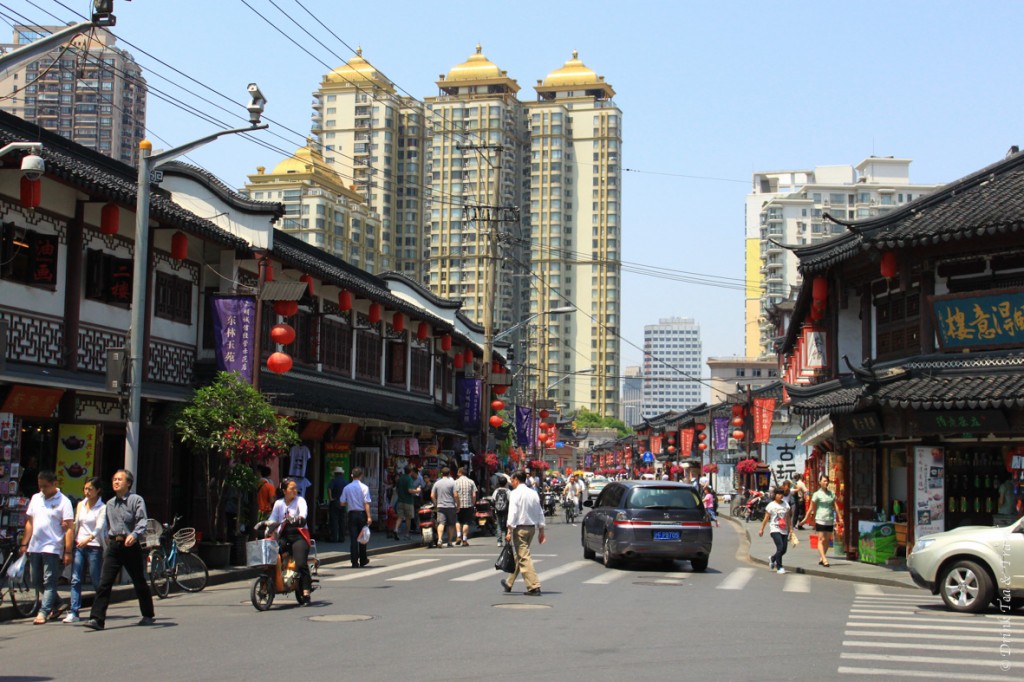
[965,587]
[609,560]
[699,565]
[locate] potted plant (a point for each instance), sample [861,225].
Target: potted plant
[230,427]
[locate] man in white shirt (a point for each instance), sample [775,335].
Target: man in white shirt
[525,517]
[356,498]
[48,540]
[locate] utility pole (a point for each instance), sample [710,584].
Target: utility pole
[490,216]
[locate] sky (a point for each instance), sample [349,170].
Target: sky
[710,94]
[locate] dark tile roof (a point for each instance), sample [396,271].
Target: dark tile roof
[981,381]
[105,178]
[304,391]
[273,209]
[983,204]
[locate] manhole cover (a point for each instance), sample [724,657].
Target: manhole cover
[340,618]
[521,607]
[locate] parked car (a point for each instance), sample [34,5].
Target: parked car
[972,566]
[595,485]
[647,520]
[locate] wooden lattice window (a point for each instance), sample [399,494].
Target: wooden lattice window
[173,298]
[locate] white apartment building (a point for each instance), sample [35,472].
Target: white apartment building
[787,208]
[632,395]
[86,90]
[727,374]
[672,366]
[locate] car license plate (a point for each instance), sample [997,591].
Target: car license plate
[666,535]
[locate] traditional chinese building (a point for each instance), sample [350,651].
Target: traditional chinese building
[905,357]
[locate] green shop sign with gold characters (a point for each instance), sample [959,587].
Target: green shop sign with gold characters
[979,320]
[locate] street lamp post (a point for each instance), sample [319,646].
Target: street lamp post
[147,164]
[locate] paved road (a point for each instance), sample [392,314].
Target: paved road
[440,615]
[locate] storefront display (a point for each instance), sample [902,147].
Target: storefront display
[973,477]
[12,501]
[876,542]
[929,491]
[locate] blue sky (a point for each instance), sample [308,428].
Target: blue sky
[715,91]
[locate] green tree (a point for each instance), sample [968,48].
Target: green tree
[586,419]
[229,427]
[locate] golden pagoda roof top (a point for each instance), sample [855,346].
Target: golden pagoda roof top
[356,71]
[574,73]
[477,67]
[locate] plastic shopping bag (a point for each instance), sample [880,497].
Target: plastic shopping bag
[17,568]
[364,535]
[506,560]
[793,539]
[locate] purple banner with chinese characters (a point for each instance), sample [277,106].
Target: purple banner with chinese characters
[720,433]
[525,426]
[468,395]
[234,333]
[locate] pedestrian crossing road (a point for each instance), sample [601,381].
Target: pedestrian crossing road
[908,635]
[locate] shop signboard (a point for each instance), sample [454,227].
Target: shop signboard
[929,491]
[962,421]
[786,458]
[76,451]
[976,320]
[336,454]
[861,424]
[234,332]
[720,433]
[468,396]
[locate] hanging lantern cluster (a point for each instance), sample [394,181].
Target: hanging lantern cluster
[546,437]
[282,333]
[496,406]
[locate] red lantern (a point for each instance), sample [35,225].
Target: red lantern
[422,331]
[398,322]
[737,434]
[819,289]
[499,389]
[699,426]
[496,421]
[279,362]
[737,421]
[179,246]
[286,308]
[702,446]
[308,279]
[495,367]
[888,266]
[282,334]
[344,300]
[457,361]
[468,353]
[544,414]
[497,405]
[374,313]
[110,218]
[702,436]
[446,342]
[672,449]
[737,410]
[268,270]
[31,192]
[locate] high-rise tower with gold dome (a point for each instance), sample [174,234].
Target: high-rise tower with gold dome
[575,223]
[321,209]
[476,151]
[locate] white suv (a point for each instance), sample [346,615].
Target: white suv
[972,567]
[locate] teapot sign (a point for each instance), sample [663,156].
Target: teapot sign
[76,449]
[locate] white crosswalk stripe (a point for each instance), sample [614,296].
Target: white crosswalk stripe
[376,570]
[437,569]
[900,636]
[797,583]
[867,588]
[563,569]
[482,575]
[736,580]
[606,578]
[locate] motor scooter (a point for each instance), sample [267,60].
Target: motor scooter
[484,516]
[550,500]
[280,574]
[427,518]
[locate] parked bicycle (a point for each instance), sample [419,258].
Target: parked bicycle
[23,594]
[170,558]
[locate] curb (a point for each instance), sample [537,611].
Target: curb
[218,576]
[885,582]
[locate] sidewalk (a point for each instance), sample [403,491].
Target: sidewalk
[329,553]
[803,559]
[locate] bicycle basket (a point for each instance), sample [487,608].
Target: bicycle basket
[185,539]
[154,529]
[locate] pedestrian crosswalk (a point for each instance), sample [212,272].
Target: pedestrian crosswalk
[910,636]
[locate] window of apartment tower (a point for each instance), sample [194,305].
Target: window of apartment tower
[897,321]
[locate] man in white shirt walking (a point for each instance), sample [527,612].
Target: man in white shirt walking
[356,498]
[525,517]
[48,540]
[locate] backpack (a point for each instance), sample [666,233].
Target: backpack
[500,499]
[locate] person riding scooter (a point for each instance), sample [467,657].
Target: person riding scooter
[291,512]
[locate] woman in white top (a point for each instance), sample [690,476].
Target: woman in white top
[90,536]
[777,515]
[291,511]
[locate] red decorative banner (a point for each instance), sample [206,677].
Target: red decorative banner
[764,410]
[685,442]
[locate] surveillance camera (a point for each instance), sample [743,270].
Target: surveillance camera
[32,166]
[256,104]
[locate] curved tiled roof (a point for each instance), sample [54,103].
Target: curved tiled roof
[227,194]
[989,381]
[985,203]
[105,178]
